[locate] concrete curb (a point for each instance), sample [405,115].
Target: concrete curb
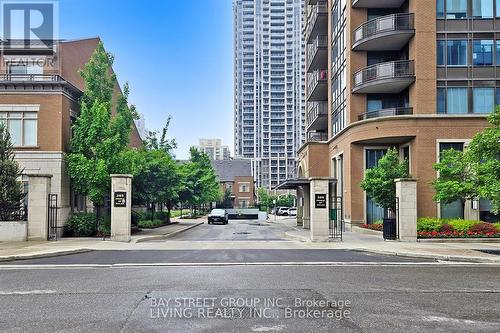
[43,255]
[165,236]
[430,256]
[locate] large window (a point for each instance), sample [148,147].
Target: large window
[441,100]
[22,127]
[456,100]
[482,53]
[454,209]
[441,52]
[456,9]
[21,68]
[440,8]
[457,53]
[483,100]
[482,8]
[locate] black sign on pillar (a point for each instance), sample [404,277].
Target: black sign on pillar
[120,199]
[320,201]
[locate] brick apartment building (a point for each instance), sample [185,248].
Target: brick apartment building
[236,176]
[39,94]
[420,76]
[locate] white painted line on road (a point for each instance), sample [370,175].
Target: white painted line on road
[228,264]
[27,292]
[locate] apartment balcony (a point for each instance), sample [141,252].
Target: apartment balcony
[317,117]
[386,33]
[377,3]
[385,78]
[50,81]
[317,53]
[317,21]
[317,85]
[317,136]
[390,112]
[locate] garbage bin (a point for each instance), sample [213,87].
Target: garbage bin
[390,229]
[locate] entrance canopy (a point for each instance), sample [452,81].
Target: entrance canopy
[294,183]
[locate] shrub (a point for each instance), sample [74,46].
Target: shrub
[447,228]
[161,216]
[497,225]
[81,225]
[461,225]
[105,226]
[377,227]
[378,222]
[429,224]
[483,228]
[148,224]
[137,216]
[177,213]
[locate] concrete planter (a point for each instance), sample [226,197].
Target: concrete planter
[16,231]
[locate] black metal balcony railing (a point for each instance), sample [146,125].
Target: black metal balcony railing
[320,42]
[317,136]
[30,78]
[316,77]
[385,70]
[321,8]
[400,111]
[384,24]
[317,109]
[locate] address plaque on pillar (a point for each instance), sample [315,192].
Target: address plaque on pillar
[120,199]
[320,201]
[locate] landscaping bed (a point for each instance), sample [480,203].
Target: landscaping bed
[375,226]
[456,228]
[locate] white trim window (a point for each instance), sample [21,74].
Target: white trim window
[22,124]
[244,188]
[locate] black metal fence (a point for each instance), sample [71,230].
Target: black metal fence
[52,211]
[391,222]
[336,219]
[13,213]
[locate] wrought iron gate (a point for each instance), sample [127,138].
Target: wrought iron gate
[336,217]
[52,211]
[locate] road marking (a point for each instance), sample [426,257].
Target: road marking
[228,264]
[27,292]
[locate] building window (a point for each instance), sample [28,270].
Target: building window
[457,53]
[456,9]
[229,186]
[483,100]
[482,8]
[22,127]
[440,9]
[457,100]
[441,100]
[243,203]
[23,69]
[482,54]
[441,52]
[244,188]
[498,51]
[454,209]
[497,4]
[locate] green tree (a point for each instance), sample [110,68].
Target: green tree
[156,179]
[10,188]
[159,141]
[226,201]
[474,173]
[101,132]
[379,181]
[200,180]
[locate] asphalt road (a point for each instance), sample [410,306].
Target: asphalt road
[404,298]
[236,230]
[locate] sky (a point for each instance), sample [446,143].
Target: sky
[177,56]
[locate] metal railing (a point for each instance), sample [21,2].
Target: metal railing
[400,111]
[13,213]
[321,8]
[317,136]
[318,43]
[30,78]
[384,70]
[318,108]
[393,22]
[316,77]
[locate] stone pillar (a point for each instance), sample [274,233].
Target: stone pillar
[306,211]
[38,206]
[121,207]
[300,206]
[319,206]
[406,191]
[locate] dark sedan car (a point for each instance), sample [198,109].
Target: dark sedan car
[218,215]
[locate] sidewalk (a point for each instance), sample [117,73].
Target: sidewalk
[374,243]
[38,249]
